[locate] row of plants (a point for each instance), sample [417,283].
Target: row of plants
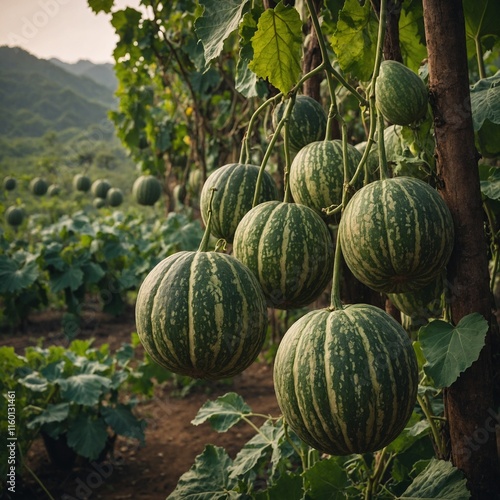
[63,264]
[357,391]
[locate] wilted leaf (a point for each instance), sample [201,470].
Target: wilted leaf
[449,350]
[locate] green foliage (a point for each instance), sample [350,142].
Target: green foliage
[277,46]
[355,37]
[276,464]
[449,350]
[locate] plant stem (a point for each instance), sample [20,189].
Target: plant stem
[206,235]
[324,54]
[245,150]
[299,452]
[480,58]
[269,150]
[36,478]
[434,430]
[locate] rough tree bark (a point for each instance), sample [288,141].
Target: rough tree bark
[469,401]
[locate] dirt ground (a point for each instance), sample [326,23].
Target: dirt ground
[172,442]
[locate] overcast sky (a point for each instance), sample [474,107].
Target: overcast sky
[66,29]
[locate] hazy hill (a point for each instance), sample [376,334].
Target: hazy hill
[37,96]
[102,74]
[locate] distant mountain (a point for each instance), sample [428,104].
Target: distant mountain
[37,96]
[102,74]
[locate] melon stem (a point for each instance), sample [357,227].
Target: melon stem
[206,235]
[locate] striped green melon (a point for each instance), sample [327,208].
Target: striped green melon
[307,121]
[82,183]
[421,304]
[114,197]
[99,202]
[9,183]
[14,216]
[146,190]
[401,95]
[235,185]
[317,173]
[54,190]
[289,248]
[38,186]
[100,188]
[201,314]
[396,234]
[346,380]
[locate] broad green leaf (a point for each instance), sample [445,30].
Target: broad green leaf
[87,436]
[438,480]
[34,382]
[415,429]
[101,5]
[222,413]
[53,413]
[326,479]
[449,350]
[355,39]
[485,101]
[16,276]
[124,422]
[288,486]
[219,19]
[255,451]
[481,18]
[491,189]
[277,46]
[71,278]
[84,389]
[208,478]
[411,34]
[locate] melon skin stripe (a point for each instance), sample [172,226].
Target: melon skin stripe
[233,198]
[147,190]
[396,234]
[317,174]
[201,314]
[289,249]
[400,94]
[346,380]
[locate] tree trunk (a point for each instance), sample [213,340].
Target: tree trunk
[469,401]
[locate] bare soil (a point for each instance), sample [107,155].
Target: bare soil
[172,442]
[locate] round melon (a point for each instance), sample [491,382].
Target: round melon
[99,202]
[401,95]
[233,198]
[346,380]
[82,183]
[9,183]
[317,174]
[114,197]
[201,314]
[290,250]
[14,216]
[38,186]
[396,234]
[421,304]
[147,190]
[100,188]
[54,190]
[307,122]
